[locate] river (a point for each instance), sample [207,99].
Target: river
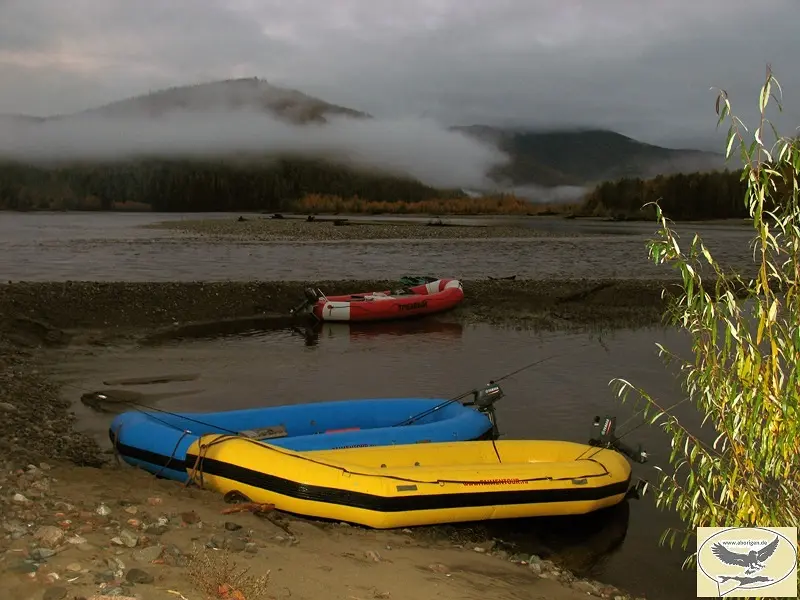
[115,246]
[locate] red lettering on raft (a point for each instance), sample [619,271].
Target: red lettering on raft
[494,482]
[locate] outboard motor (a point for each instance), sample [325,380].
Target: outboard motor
[311,297]
[484,400]
[604,436]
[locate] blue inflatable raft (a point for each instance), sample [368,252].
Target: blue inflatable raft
[157,441]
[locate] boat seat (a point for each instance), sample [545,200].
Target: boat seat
[265,433]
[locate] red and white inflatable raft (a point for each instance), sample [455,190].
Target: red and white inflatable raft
[429,298]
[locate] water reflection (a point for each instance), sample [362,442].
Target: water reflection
[279,328]
[359,331]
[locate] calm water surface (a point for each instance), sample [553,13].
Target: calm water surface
[556,399]
[113,246]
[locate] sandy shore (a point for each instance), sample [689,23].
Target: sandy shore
[83,526]
[120,533]
[266,229]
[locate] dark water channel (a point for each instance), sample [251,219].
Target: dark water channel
[557,399]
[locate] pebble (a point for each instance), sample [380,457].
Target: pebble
[373,556]
[19,499]
[139,576]
[190,518]
[126,538]
[585,586]
[42,553]
[15,529]
[115,564]
[234,544]
[535,564]
[102,510]
[74,567]
[148,554]
[156,529]
[49,536]
[7,407]
[77,540]
[106,576]
[231,526]
[55,593]
[86,547]
[25,566]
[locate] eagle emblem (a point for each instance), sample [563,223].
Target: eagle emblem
[752,561]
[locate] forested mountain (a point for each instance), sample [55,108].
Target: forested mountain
[585,157]
[551,158]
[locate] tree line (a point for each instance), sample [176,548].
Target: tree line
[683,196]
[197,185]
[316,186]
[486,205]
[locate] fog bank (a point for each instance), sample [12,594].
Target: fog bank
[420,148]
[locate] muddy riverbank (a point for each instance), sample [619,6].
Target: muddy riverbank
[55,314]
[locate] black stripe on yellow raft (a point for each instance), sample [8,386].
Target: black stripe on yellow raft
[329,495]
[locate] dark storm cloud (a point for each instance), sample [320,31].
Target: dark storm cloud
[643,67]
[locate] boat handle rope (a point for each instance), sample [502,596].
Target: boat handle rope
[174,450]
[203,449]
[115,444]
[117,453]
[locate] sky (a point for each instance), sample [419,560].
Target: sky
[641,67]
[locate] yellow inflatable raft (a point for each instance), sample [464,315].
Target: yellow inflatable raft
[417,484]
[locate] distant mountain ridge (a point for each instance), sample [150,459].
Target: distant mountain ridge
[232,94]
[577,157]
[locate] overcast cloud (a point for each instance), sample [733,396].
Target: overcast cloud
[641,67]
